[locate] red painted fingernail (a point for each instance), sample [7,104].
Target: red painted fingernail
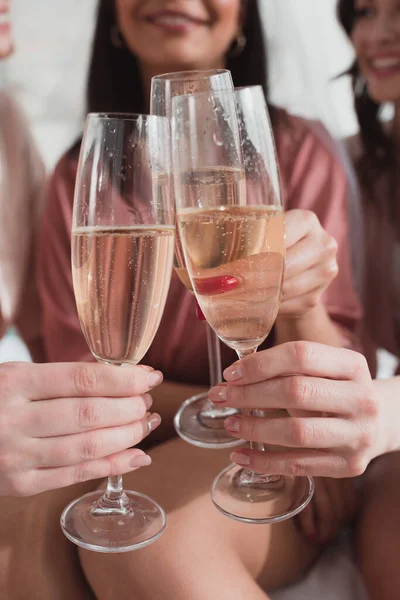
[199,313]
[216,285]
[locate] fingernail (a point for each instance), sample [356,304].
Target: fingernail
[240,459]
[233,373]
[232,423]
[199,313]
[154,378]
[216,285]
[141,460]
[148,401]
[145,367]
[218,394]
[153,421]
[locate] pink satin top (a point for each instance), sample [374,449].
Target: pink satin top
[312,178]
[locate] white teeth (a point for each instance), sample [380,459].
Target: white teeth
[386,63]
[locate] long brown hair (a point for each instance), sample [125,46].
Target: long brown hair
[115,82]
[378,147]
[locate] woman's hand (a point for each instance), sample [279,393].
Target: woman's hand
[316,379]
[332,508]
[62,424]
[310,263]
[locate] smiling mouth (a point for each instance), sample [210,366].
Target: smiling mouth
[172,19]
[385,66]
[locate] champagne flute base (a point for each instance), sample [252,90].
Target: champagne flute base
[201,426]
[140,522]
[260,499]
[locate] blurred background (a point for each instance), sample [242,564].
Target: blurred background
[53,39]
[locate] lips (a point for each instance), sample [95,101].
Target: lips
[170,19]
[385,66]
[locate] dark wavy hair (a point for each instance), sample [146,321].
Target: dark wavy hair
[378,146]
[115,83]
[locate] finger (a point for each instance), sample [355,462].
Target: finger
[75,415]
[310,252]
[116,464]
[306,358]
[315,463]
[299,305]
[298,224]
[83,447]
[294,393]
[66,380]
[293,432]
[311,282]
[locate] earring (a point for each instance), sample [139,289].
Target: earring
[239,45]
[116,38]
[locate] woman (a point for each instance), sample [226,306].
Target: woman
[51,416]
[361,415]
[135,40]
[30,437]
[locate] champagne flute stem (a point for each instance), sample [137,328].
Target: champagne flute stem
[248,475]
[114,500]
[214,356]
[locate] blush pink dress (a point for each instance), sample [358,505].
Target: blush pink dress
[313,178]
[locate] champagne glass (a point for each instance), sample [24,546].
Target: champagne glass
[122,255]
[231,223]
[198,421]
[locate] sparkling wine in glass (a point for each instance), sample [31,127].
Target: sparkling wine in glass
[122,254]
[231,224]
[198,421]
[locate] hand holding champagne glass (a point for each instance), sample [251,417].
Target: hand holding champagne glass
[198,421]
[231,223]
[122,253]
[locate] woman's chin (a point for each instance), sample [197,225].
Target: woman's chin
[382,96]
[177,59]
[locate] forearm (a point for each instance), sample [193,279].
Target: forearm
[314,326]
[168,398]
[388,434]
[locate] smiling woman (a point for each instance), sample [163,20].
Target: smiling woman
[134,40]
[192,34]
[376,41]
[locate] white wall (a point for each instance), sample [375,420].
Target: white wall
[308,49]
[48,68]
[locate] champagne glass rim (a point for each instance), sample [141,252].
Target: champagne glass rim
[121,116]
[227,91]
[254,87]
[194,74]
